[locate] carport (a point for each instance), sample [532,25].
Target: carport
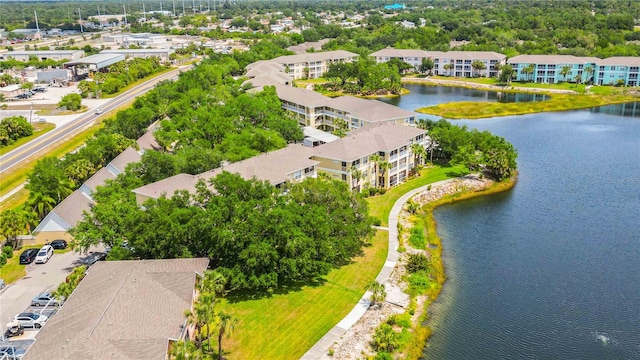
[93,63]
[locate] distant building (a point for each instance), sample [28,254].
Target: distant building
[41,55]
[395,7]
[408,24]
[162,54]
[454,63]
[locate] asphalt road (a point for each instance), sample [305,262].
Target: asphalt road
[45,142]
[16,298]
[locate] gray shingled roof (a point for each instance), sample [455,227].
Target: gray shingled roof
[129,155]
[121,310]
[315,56]
[621,61]
[148,141]
[546,59]
[274,167]
[99,178]
[391,52]
[369,110]
[368,140]
[71,209]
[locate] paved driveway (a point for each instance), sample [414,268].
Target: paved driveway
[16,297]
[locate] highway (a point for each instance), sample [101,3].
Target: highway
[47,141]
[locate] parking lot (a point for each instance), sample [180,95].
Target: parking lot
[16,298]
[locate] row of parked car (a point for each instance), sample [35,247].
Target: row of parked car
[42,255]
[30,93]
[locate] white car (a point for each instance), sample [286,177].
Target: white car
[31,320]
[98,111]
[45,253]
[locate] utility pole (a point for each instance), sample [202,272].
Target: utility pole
[144,13]
[80,21]
[35,14]
[193,6]
[124,7]
[174,8]
[182,8]
[30,112]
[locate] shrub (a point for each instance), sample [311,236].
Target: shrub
[383,356]
[71,102]
[8,251]
[3,259]
[417,239]
[417,262]
[385,338]
[376,221]
[419,282]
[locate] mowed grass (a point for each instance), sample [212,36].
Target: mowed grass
[285,326]
[380,206]
[556,102]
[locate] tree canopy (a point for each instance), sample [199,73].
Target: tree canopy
[254,234]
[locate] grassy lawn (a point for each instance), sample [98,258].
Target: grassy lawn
[39,129]
[380,206]
[56,111]
[304,83]
[12,270]
[285,326]
[556,102]
[18,174]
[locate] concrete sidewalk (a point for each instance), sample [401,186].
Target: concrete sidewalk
[322,346]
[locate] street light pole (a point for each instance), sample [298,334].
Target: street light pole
[30,113]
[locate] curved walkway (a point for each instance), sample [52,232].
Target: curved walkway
[322,346]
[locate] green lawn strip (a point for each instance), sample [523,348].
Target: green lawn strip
[286,325]
[19,174]
[380,206]
[39,129]
[12,270]
[58,112]
[556,102]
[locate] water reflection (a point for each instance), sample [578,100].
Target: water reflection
[426,95]
[625,110]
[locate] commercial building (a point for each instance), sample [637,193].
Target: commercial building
[162,54]
[41,55]
[124,310]
[96,62]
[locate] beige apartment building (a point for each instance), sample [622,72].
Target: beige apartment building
[453,63]
[376,156]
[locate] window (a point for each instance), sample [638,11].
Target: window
[297,175]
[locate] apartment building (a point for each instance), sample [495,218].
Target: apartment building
[70,211]
[453,63]
[312,65]
[549,68]
[377,156]
[325,113]
[619,70]
[291,164]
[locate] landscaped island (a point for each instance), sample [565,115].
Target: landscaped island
[561,98]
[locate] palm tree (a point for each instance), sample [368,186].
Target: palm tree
[528,70]
[356,175]
[226,325]
[80,170]
[589,71]
[418,152]
[384,167]
[375,159]
[565,71]
[12,224]
[378,293]
[40,204]
[448,67]
[478,66]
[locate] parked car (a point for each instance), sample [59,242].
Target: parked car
[58,244]
[45,299]
[2,284]
[31,320]
[45,253]
[13,329]
[11,353]
[28,256]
